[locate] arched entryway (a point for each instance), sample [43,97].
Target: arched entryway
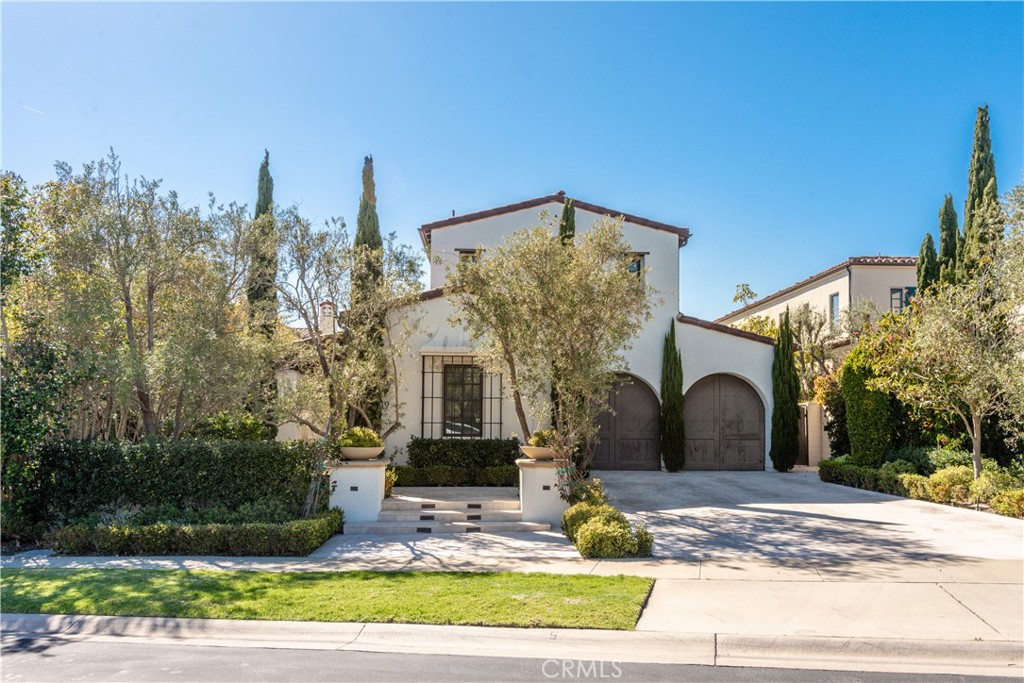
[724,420]
[628,439]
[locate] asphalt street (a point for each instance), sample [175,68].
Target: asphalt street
[49,658]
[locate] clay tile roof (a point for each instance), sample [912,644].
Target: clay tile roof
[852,261]
[558,198]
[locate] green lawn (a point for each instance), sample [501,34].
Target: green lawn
[484,599]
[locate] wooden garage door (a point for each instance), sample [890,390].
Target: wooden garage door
[724,425]
[629,437]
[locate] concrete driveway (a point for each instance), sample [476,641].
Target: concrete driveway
[772,553]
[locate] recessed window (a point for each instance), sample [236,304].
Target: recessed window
[469,255]
[833,309]
[897,299]
[635,263]
[463,400]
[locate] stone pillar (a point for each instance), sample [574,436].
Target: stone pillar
[358,488]
[538,492]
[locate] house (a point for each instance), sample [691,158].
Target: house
[727,372]
[888,282]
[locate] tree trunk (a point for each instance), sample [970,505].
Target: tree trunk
[517,398]
[976,442]
[149,421]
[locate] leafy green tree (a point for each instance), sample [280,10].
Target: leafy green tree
[260,290]
[567,224]
[20,253]
[949,240]
[368,245]
[786,394]
[981,193]
[367,224]
[549,315]
[673,434]
[959,348]
[815,337]
[927,264]
[868,409]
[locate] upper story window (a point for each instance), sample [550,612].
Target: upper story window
[833,309]
[899,297]
[469,255]
[635,263]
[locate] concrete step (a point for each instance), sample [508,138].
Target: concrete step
[450,515]
[436,527]
[405,503]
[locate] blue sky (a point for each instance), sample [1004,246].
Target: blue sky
[787,137]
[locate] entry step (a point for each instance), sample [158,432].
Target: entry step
[436,527]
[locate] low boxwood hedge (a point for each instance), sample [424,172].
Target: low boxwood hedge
[446,475]
[601,531]
[295,538]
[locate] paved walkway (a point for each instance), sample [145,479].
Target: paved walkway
[744,555]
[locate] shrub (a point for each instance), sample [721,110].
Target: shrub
[592,491]
[952,485]
[446,475]
[828,391]
[406,475]
[502,475]
[390,477]
[889,482]
[1009,503]
[471,454]
[991,483]
[899,467]
[235,427]
[606,537]
[917,486]
[941,458]
[360,437]
[918,456]
[867,412]
[297,537]
[579,514]
[542,438]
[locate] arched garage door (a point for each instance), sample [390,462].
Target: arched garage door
[724,420]
[629,435]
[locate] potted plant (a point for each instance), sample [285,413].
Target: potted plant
[360,443]
[539,445]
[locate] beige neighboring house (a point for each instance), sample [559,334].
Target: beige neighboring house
[888,282]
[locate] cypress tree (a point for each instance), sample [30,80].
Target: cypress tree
[927,264]
[673,435]
[567,224]
[367,223]
[368,278]
[786,393]
[980,176]
[949,237]
[260,287]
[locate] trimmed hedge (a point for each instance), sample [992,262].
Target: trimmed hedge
[867,413]
[80,478]
[295,538]
[1009,503]
[460,462]
[600,531]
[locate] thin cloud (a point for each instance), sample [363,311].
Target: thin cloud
[32,109]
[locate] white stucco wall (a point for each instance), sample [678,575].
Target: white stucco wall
[708,352]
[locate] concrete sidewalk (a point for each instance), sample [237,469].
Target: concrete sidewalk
[983,658]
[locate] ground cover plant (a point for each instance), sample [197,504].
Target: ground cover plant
[482,599]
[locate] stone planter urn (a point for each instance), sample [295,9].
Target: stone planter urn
[538,452]
[361,452]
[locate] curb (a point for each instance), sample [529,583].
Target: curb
[984,658]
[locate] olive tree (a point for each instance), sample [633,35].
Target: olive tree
[960,347]
[555,317]
[344,370]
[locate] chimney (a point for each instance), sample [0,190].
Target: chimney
[328,318]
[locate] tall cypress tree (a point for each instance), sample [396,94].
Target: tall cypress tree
[949,238]
[368,278]
[673,434]
[980,176]
[786,393]
[927,264]
[260,288]
[567,224]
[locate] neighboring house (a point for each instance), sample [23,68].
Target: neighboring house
[727,372]
[886,281]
